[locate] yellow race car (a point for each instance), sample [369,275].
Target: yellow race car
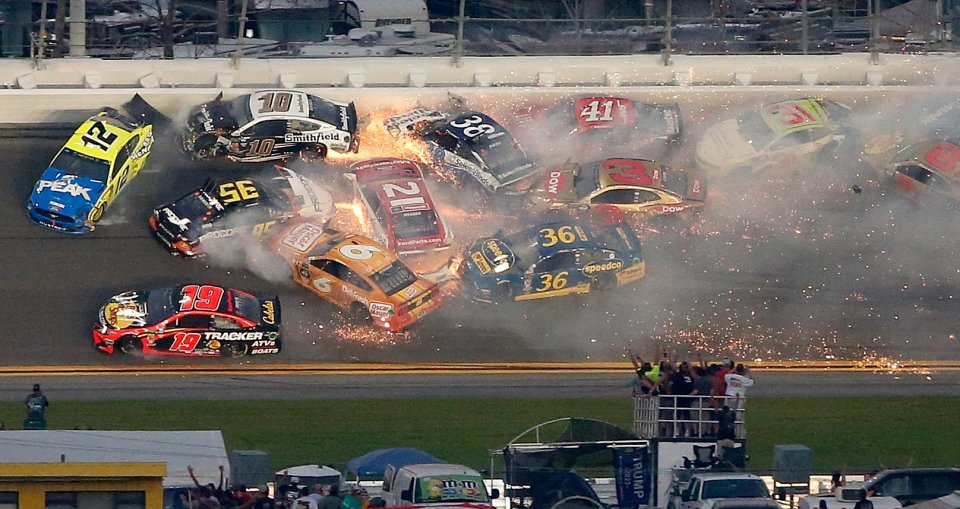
[96,163]
[356,274]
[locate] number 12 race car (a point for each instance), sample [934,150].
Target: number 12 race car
[268,125]
[100,158]
[189,320]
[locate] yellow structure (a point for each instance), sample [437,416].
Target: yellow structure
[82,485]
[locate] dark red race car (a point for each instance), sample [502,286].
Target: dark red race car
[189,320]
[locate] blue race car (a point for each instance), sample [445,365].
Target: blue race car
[550,260]
[470,146]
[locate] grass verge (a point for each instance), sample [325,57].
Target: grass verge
[853,434]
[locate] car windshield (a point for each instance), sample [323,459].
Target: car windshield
[525,247]
[196,205]
[735,488]
[246,305]
[504,153]
[422,223]
[240,109]
[451,488]
[587,180]
[326,111]
[75,163]
[754,130]
[675,181]
[394,277]
[162,303]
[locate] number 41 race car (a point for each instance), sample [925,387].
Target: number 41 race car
[189,320]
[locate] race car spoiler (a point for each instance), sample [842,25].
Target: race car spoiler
[143,113]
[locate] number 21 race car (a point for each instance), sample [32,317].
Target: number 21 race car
[189,320]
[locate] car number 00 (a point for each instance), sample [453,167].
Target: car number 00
[470,130]
[359,251]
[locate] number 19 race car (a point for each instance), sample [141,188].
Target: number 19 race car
[189,320]
[235,207]
[100,158]
[268,125]
[550,260]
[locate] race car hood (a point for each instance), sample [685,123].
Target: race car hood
[184,217]
[125,311]
[212,116]
[66,194]
[308,199]
[489,258]
[723,147]
[557,185]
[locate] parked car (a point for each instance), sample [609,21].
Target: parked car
[704,489]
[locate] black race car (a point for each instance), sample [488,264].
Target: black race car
[245,206]
[469,145]
[269,125]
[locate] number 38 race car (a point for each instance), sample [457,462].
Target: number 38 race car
[100,158]
[189,320]
[268,125]
[550,260]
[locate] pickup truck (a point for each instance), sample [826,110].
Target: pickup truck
[845,497]
[431,485]
[895,487]
[704,489]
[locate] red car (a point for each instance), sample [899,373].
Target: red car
[398,204]
[189,320]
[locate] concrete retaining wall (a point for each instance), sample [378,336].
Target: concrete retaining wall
[62,88]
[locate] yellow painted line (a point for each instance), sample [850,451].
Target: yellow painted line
[453,368]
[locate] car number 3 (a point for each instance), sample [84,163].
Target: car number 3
[470,130]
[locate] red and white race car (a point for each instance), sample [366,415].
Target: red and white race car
[399,210]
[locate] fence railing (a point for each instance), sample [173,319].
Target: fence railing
[807,28]
[686,417]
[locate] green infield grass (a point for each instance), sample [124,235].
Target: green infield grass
[853,434]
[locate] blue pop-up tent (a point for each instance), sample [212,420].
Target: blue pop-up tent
[373,463]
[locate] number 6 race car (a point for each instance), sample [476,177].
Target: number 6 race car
[100,158]
[189,320]
[356,274]
[550,260]
[268,125]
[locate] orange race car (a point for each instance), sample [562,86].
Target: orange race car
[357,274]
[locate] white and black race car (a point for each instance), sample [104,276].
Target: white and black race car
[269,125]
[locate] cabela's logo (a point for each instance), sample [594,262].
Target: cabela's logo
[269,313]
[593,268]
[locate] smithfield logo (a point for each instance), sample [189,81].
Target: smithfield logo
[314,137]
[65,185]
[609,265]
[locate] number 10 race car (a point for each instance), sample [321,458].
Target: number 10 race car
[189,320]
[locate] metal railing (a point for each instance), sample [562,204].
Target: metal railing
[813,27]
[684,416]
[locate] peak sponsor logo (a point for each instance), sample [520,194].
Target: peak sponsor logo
[65,185]
[609,265]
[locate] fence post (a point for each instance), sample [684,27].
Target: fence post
[243,28]
[458,51]
[668,33]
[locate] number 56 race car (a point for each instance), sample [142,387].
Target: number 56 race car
[189,320]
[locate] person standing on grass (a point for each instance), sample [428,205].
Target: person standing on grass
[332,500]
[36,403]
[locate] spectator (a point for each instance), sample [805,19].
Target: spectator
[837,480]
[738,382]
[681,388]
[237,496]
[317,495]
[332,500]
[288,485]
[304,501]
[260,500]
[726,423]
[207,498]
[377,502]
[215,490]
[644,384]
[36,403]
[864,502]
[720,389]
[702,389]
[356,499]
[667,404]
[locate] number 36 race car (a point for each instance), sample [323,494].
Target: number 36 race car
[189,320]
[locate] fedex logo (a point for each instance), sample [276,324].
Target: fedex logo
[66,186]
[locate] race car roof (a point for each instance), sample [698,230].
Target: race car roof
[366,261]
[296,104]
[943,156]
[540,238]
[100,137]
[795,115]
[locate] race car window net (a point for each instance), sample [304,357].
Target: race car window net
[415,224]
[81,165]
[240,109]
[394,277]
[563,260]
[327,111]
[246,305]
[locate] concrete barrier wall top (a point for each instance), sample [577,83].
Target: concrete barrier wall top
[60,88]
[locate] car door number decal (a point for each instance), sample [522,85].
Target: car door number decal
[98,136]
[323,285]
[359,251]
[261,147]
[185,342]
[553,282]
[201,298]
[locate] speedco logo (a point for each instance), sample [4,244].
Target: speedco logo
[311,137]
[66,186]
[233,336]
[593,268]
[269,313]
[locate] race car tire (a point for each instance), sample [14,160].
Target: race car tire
[603,281]
[234,349]
[313,154]
[129,345]
[204,146]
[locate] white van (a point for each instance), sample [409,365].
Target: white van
[434,484]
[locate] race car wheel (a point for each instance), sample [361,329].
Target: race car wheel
[313,154]
[603,281]
[233,349]
[129,345]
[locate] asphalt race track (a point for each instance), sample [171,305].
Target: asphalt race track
[792,268]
